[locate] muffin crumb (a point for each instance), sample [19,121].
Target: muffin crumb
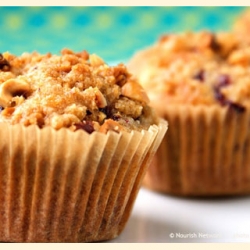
[71,90]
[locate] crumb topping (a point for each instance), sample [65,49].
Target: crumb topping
[196,68]
[73,90]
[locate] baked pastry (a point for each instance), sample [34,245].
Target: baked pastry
[241,26]
[76,139]
[200,83]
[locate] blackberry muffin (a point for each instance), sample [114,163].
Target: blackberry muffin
[77,136]
[200,83]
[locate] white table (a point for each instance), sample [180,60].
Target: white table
[159,218]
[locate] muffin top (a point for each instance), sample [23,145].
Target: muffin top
[241,26]
[195,68]
[72,90]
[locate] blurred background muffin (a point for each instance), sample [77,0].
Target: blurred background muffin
[241,26]
[200,83]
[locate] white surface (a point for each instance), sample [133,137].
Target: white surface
[159,218]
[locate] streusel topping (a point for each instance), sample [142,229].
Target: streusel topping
[196,68]
[73,90]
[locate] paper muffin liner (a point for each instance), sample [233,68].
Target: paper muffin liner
[63,186]
[206,152]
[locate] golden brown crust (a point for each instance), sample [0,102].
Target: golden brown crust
[69,89]
[195,68]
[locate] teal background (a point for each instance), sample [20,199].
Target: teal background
[114,33]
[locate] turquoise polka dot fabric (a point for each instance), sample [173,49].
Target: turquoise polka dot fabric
[114,33]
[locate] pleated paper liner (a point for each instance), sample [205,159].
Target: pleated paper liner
[63,186]
[206,152]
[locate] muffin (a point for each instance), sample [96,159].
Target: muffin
[200,83]
[241,26]
[77,136]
